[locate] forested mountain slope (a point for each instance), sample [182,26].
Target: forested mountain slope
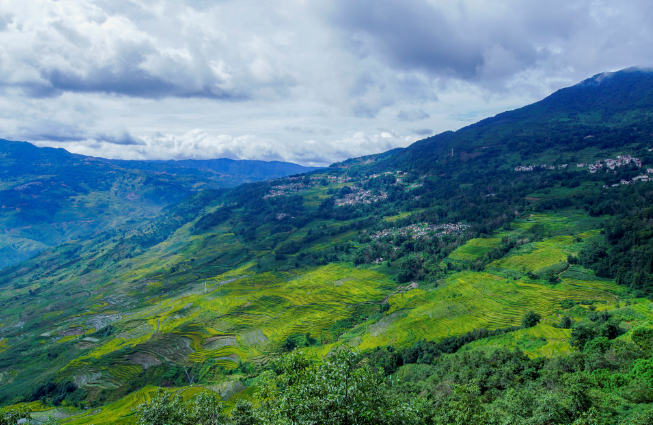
[510,281]
[49,195]
[231,172]
[614,108]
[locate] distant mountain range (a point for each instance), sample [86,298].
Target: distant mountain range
[48,196]
[238,171]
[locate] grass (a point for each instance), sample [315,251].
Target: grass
[536,256]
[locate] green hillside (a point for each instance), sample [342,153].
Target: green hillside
[427,264]
[49,196]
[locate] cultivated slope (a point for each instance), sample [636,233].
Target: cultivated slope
[385,251]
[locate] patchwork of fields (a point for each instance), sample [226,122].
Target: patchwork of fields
[213,324]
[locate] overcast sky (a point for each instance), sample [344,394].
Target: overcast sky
[307,81]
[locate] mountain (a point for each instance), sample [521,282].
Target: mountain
[604,104]
[49,196]
[240,171]
[510,281]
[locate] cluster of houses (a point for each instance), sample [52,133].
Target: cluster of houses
[593,168]
[338,179]
[373,176]
[281,216]
[332,179]
[640,178]
[284,189]
[400,176]
[288,188]
[419,230]
[612,163]
[360,196]
[543,166]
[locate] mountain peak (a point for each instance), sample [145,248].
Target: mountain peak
[602,77]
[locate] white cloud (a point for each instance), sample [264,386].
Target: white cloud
[198,144]
[291,79]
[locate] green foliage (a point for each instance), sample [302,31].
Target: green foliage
[461,406]
[339,390]
[244,413]
[168,408]
[643,336]
[299,341]
[565,322]
[530,319]
[13,416]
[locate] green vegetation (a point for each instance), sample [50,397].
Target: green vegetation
[473,292]
[49,196]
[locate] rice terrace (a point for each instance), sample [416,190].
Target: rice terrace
[498,274]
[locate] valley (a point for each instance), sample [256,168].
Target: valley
[413,258]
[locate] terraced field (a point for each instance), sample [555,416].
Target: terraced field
[216,319]
[468,301]
[536,256]
[122,411]
[474,248]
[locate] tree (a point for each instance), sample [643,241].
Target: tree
[463,406]
[339,390]
[244,414]
[13,416]
[167,408]
[565,323]
[643,336]
[583,332]
[531,319]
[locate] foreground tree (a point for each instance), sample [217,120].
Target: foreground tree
[13,416]
[170,409]
[339,391]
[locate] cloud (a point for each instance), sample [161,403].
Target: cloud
[198,144]
[423,132]
[490,43]
[412,115]
[50,48]
[299,129]
[293,78]
[123,139]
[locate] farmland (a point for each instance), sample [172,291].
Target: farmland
[418,260]
[218,323]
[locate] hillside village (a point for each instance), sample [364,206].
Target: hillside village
[419,230]
[610,164]
[294,185]
[360,196]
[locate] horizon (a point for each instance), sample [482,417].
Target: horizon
[291,81]
[605,74]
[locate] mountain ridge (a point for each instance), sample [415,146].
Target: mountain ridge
[50,195]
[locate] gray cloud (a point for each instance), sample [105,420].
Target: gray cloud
[124,139]
[412,115]
[423,132]
[486,42]
[299,129]
[202,78]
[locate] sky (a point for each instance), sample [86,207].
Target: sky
[306,81]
